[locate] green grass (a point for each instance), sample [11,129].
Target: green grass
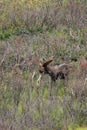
[81,128]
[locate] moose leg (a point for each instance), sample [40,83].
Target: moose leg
[66,80]
[50,87]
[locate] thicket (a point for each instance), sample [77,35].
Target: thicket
[29,31]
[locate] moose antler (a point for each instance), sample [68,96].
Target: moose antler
[49,60]
[44,63]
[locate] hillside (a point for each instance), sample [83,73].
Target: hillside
[32,31]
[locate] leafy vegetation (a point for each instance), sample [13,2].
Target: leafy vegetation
[35,29]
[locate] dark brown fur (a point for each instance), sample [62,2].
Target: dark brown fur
[55,72]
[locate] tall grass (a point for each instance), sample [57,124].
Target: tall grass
[29,31]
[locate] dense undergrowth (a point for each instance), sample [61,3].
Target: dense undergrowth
[29,31]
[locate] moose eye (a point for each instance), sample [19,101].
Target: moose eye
[41,70]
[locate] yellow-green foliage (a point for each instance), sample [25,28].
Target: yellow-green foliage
[81,128]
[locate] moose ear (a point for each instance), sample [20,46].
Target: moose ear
[49,60]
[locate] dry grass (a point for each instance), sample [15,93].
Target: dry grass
[41,30]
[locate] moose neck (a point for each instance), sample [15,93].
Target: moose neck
[47,70]
[50,72]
